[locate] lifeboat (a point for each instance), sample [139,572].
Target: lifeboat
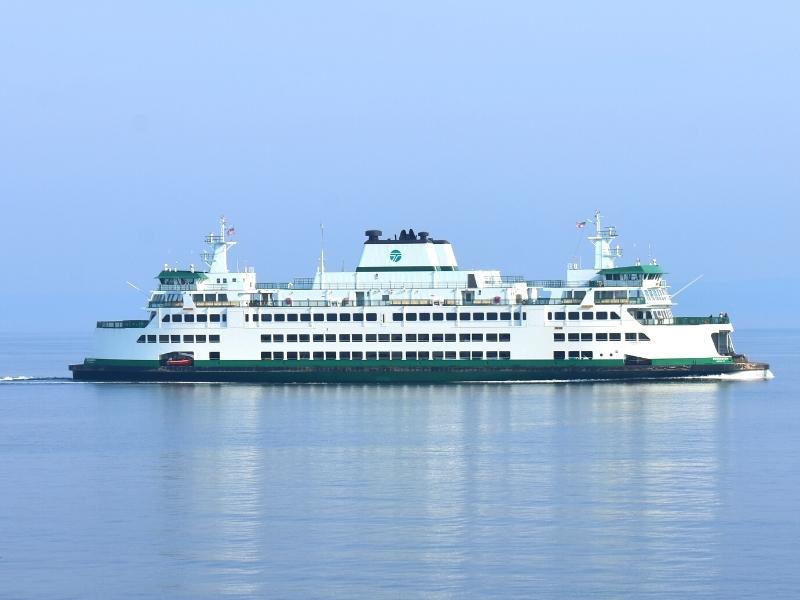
[179,362]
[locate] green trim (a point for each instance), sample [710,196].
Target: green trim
[195,275]
[647,269]
[402,269]
[680,362]
[487,365]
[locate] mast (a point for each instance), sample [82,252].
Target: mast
[604,254]
[217,256]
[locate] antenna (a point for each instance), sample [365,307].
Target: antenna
[692,282]
[321,254]
[138,289]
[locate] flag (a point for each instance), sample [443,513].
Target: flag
[231,231]
[580,224]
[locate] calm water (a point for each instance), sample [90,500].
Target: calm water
[669,490]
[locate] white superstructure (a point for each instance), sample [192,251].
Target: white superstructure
[408,300]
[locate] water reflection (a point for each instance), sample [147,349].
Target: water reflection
[362,490]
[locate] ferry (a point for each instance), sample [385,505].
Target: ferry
[409,314]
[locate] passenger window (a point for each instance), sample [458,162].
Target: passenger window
[559,355]
[602,316]
[438,316]
[558,337]
[573,316]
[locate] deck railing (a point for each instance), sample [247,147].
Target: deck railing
[710,320]
[129,324]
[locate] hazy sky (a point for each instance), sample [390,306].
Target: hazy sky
[127,128]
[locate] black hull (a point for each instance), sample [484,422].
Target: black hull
[398,374]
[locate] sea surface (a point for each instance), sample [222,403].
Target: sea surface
[601,490]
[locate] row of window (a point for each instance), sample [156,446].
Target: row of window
[600,315]
[449,355]
[181,318]
[386,337]
[561,355]
[176,339]
[370,316]
[599,337]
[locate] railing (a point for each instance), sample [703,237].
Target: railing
[619,301]
[687,321]
[549,301]
[165,305]
[379,284]
[177,287]
[368,303]
[207,303]
[560,283]
[130,324]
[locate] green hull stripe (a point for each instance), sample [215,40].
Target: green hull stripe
[488,365]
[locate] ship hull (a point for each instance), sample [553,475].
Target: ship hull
[388,373]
